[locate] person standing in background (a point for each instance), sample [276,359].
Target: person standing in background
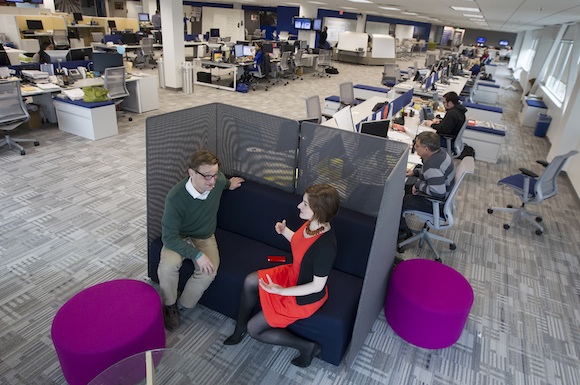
[156,20]
[322,38]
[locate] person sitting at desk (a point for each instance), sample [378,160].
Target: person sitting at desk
[258,55]
[475,67]
[41,56]
[434,179]
[453,119]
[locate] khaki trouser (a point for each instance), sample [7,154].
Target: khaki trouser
[168,272]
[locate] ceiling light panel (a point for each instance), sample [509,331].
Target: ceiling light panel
[466,9]
[390,8]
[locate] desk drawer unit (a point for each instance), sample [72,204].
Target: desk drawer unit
[486,93]
[532,108]
[143,95]
[486,142]
[91,123]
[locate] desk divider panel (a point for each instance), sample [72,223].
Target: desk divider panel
[257,146]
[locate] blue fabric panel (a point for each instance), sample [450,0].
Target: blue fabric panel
[253,210]
[331,326]
[536,103]
[488,85]
[483,107]
[333,98]
[84,104]
[518,182]
[371,88]
[358,229]
[487,130]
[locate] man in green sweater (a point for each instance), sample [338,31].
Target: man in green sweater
[188,226]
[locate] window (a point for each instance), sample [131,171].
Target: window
[557,75]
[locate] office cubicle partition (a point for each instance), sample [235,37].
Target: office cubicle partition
[369,173]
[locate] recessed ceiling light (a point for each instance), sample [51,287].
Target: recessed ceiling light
[470,15]
[477,20]
[423,17]
[466,9]
[316,2]
[409,13]
[390,8]
[361,1]
[350,8]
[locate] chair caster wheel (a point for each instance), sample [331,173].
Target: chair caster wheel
[36,144]
[438,260]
[130,119]
[489,211]
[400,250]
[539,219]
[452,246]
[510,206]
[506,226]
[22,152]
[539,232]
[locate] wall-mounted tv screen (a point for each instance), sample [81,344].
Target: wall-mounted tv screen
[503,43]
[144,17]
[302,23]
[481,40]
[317,24]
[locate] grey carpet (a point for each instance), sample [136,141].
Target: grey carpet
[72,214]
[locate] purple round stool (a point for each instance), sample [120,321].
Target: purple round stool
[427,303]
[105,324]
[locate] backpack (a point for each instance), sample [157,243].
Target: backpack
[467,151]
[331,70]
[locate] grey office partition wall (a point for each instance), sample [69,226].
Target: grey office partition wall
[356,165]
[381,257]
[257,146]
[170,140]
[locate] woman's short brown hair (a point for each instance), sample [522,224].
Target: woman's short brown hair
[202,157]
[324,201]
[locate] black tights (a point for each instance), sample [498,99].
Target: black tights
[260,330]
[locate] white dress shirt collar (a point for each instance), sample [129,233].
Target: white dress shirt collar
[193,192]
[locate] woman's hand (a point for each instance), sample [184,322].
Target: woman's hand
[270,287]
[280,226]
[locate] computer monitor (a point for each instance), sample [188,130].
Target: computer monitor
[239,50]
[267,48]
[375,127]
[248,50]
[143,17]
[104,60]
[57,55]
[4,59]
[34,24]
[303,23]
[317,24]
[214,32]
[112,24]
[503,43]
[343,119]
[286,48]
[129,38]
[78,16]
[80,54]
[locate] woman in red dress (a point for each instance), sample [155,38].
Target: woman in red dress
[294,291]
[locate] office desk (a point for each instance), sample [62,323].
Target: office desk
[360,111]
[198,66]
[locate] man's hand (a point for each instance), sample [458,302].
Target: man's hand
[414,191]
[410,172]
[205,265]
[236,182]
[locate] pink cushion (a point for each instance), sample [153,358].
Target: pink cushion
[104,324]
[427,303]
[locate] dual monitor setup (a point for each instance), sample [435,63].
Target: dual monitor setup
[481,41]
[305,23]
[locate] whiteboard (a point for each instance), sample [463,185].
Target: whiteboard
[353,41]
[373,27]
[383,46]
[336,26]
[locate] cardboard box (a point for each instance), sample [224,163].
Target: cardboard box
[35,120]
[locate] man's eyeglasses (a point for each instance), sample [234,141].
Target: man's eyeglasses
[208,177]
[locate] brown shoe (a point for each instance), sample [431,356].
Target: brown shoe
[171,317]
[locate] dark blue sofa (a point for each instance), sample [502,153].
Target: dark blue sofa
[246,237]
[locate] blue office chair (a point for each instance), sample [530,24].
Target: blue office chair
[442,215]
[532,189]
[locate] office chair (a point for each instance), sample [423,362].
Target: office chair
[347,95]
[97,37]
[443,215]
[298,63]
[60,39]
[533,189]
[115,84]
[455,145]
[283,68]
[145,56]
[260,73]
[313,110]
[391,75]
[13,113]
[324,61]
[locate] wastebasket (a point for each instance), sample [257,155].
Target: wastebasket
[161,72]
[187,85]
[542,125]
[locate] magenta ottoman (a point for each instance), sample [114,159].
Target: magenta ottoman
[104,324]
[427,303]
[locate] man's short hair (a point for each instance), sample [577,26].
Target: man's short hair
[202,157]
[431,140]
[452,97]
[324,201]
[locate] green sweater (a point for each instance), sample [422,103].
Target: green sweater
[185,216]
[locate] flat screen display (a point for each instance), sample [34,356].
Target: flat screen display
[317,24]
[144,17]
[481,40]
[503,43]
[15,1]
[103,60]
[57,56]
[78,16]
[375,128]
[214,32]
[239,50]
[247,51]
[303,23]
[34,24]
[111,24]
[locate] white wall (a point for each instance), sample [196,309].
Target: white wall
[229,21]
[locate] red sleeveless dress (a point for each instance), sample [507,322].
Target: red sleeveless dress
[280,311]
